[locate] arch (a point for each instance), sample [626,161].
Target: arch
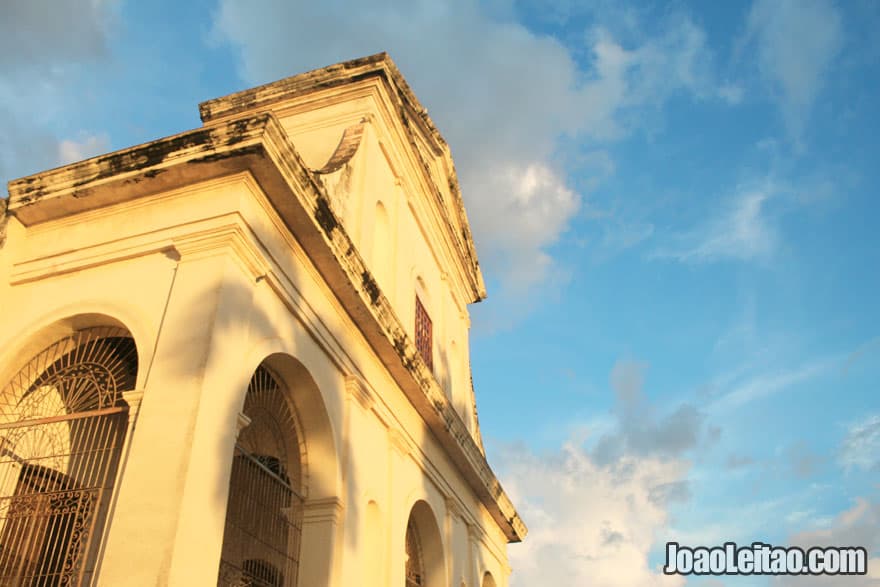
[311,381]
[488,580]
[262,535]
[321,465]
[63,422]
[302,370]
[425,559]
[68,318]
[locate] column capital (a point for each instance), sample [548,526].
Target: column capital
[399,441]
[453,508]
[241,423]
[357,389]
[133,398]
[328,509]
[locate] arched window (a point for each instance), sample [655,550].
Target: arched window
[415,566]
[264,513]
[63,421]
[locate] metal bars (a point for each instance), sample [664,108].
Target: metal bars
[415,571]
[261,540]
[424,343]
[62,427]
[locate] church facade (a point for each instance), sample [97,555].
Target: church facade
[239,355]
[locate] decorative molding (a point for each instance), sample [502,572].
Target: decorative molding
[454,510]
[357,389]
[241,423]
[204,242]
[70,261]
[219,240]
[133,398]
[328,509]
[400,442]
[345,150]
[4,220]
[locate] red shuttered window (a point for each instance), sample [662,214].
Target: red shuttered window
[423,334]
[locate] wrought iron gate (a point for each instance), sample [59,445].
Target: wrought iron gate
[415,571]
[261,540]
[62,426]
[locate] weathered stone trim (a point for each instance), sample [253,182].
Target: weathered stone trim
[348,146]
[259,144]
[4,219]
[413,116]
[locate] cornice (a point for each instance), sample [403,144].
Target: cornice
[4,219]
[409,111]
[258,144]
[328,509]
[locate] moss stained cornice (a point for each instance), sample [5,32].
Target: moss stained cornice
[413,116]
[258,144]
[4,219]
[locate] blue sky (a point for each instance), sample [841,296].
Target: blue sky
[674,206]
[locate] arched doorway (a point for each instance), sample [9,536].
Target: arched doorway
[425,566]
[261,540]
[63,421]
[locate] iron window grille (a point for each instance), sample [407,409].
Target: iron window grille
[423,335]
[415,571]
[261,540]
[63,422]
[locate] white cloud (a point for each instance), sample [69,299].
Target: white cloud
[620,235]
[598,507]
[732,93]
[539,203]
[861,447]
[42,42]
[502,95]
[867,348]
[857,526]
[53,31]
[589,524]
[746,389]
[796,42]
[742,231]
[640,429]
[89,146]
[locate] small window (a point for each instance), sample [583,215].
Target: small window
[423,334]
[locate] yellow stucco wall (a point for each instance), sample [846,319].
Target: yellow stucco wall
[211,283]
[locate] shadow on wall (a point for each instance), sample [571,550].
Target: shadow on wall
[202,354]
[245,342]
[218,340]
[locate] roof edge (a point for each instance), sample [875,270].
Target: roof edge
[377,65]
[258,142]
